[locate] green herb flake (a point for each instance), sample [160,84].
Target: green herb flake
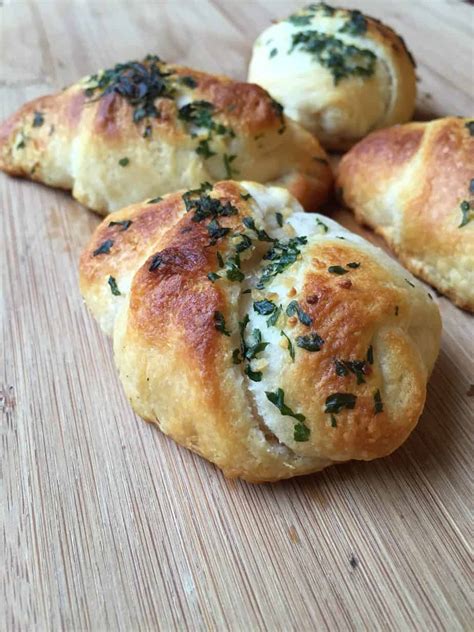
[357,367]
[322,225]
[410,283]
[278,399]
[279,219]
[470,127]
[354,265]
[272,321]
[342,60]
[337,401]
[295,308]
[311,342]
[124,224]
[204,150]
[282,255]
[273,52]
[264,307]
[396,310]
[21,144]
[236,359]
[467,213]
[255,376]
[155,200]
[227,165]
[113,286]
[471,186]
[245,196]
[301,432]
[219,323]
[333,421]
[378,404]
[123,162]
[355,25]
[190,82]
[290,347]
[212,276]
[156,262]
[337,270]
[262,235]
[38,119]
[104,248]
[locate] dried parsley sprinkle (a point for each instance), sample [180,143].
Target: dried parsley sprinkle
[228,160]
[282,255]
[410,283]
[301,432]
[113,286]
[467,213]
[370,355]
[38,119]
[337,401]
[356,24]
[155,200]
[219,323]
[245,196]
[279,219]
[204,150]
[236,359]
[264,307]
[322,225]
[310,342]
[140,83]
[353,265]
[273,52]
[104,248]
[212,276]
[262,235]
[470,127]
[357,367]
[190,82]
[156,262]
[378,404]
[123,162]
[342,60]
[272,321]
[295,308]
[124,224]
[290,347]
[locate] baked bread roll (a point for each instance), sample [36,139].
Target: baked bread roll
[268,340]
[142,129]
[414,185]
[339,73]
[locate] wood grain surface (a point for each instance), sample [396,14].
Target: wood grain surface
[108,525]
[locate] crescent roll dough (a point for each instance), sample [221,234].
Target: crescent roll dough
[268,340]
[414,184]
[142,129]
[339,73]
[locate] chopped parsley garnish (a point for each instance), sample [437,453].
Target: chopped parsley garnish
[471,186]
[370,355]
[262,235]
[256,345]
[290,347]
[190,82]
[322,225]
[467,213]
[155,200]
[140,83]
[272,321]
[199,113]
[250,350]
[219,323]
[356,24]
[113,286]
[273,52]
[255,376]
[236,359]
[245,196]
[204,150]
[38,119]
[123,162]
[22,143]
[378,404]
[204,206]
[470,127]
[282,255]
[410,283]
[301,432]
[294,308]
[333,421]
[216,231]
[357,367]
[212,276]
[244,244]
[353,265]
[227,165]
[233,271]
[300,20]
[104,248]
[337,401]
[124,224]
[264,307]
[342,60]
[337,270]
[396,310]
[310,342]
[156,262]
[279,219]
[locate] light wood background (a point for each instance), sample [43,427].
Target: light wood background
[108,525]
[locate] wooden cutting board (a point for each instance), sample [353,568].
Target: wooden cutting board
[107,524]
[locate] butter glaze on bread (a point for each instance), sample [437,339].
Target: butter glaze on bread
[177,330]
[414,185]
[339,73]
[129,133]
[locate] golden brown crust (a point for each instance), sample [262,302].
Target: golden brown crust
[408,183]
[95,141]
[183,370]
